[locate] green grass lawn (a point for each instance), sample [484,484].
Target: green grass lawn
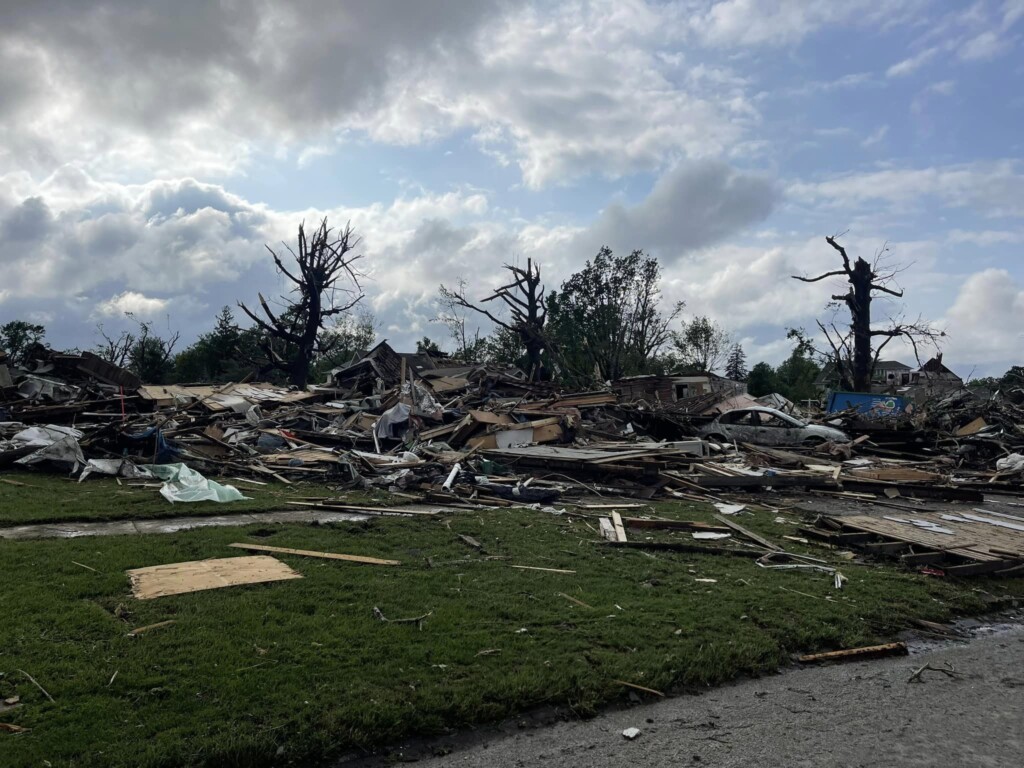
[50,498]
[300,671]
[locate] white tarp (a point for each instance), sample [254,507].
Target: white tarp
[115,468]
[186,485]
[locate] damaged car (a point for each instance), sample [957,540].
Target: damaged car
[767,426]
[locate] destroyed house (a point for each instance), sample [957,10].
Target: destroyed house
[418,362]
[931,378]
[671,389]
[381,363]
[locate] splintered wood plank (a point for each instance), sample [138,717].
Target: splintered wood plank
[545,570]
[195,576]
[311,553]
[851,654]
[620,530]
[749,534]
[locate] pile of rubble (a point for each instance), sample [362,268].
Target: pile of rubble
[478,435]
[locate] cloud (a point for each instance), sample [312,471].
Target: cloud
[993,189]
[149,84]
[690,207]
[785,22]
[986,45]
[986,320]
[1013,11]
[583,90]
[985,237]
[844,82]
[134,303]
[921,100]
[876,138]
[910,65]
[186,248]
[29,221]
[582,87]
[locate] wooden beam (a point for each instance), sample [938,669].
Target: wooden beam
[853,654]
[310,553]
[620,530]
[537,568]
[749,534]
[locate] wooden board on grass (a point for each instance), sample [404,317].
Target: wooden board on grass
[310,553]
[198,575]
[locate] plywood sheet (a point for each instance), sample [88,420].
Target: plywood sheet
[197,575]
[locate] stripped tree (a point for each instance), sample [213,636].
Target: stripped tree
[325,283]
[853,351]
[523,296]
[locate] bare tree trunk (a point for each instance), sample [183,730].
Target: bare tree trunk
[852,352]
[859,301]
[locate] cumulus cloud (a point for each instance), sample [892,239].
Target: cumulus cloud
[103,249]
[986,320]
[581,90]
[190,88]
[561,91]
[690,207]
[133,303]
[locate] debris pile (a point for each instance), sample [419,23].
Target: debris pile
[484,436]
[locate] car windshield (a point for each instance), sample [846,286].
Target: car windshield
[792,420]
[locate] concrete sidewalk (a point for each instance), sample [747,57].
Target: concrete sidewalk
[170,524]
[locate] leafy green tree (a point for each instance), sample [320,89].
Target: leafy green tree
[151,357]
[426,345]
[1013,378]
[797,375]
[702,344]
[762,380]
[605,322]
[505,347]
[227,353]
[17,337]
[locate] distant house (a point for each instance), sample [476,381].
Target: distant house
[891,372]
[930,379]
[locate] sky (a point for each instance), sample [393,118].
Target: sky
[150,150]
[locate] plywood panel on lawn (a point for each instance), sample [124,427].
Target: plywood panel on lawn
[179,578]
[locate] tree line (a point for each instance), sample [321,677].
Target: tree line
[604,322]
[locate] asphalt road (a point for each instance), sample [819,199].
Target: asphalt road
[851,715]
